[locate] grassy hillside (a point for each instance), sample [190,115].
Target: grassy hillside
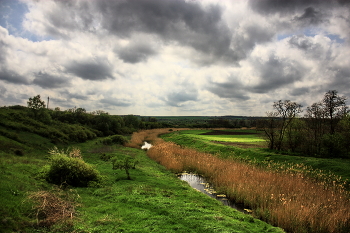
[154,200]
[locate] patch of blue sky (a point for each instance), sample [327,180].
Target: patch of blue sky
[335,38]
[12,13]
[311,32]
[283,36]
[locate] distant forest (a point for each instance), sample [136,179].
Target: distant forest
[323,130]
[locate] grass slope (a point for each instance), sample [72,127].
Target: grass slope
[155,200]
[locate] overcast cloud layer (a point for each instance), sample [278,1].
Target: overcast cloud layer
[173,57]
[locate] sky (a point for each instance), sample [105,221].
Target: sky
[173,57]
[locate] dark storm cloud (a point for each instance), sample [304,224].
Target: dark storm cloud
[12,77]
[231,90]
[291,6]
[311,48]
[341,80]
[77,96]
[116,102]
[310,16]
[276,73]
[135,53]
[45,80]
[3,51]
[95,69]
[175,99]
[301,12]
[3,91]
[299,91]
[301,42]
[175,21]
[250,36]
[69,16]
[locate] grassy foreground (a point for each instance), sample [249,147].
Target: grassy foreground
[154,200]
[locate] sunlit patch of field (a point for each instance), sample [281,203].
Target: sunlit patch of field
[231,138]
[246,138]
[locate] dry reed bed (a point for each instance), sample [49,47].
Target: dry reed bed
[288,200]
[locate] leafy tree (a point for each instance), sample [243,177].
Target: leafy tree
[36,104]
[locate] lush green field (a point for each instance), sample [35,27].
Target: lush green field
[260,156]
[155,200]
[248,138]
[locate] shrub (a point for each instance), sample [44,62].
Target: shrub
[115,139]
[118,139]
[19,152]
[126,164]
[70,169]
[105,157]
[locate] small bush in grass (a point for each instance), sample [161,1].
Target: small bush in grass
[125,163]
[115,139]
[105,157]
[70,168]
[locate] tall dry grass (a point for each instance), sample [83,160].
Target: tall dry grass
[286,199]
[151,136]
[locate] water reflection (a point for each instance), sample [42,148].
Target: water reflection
[199,183]
[146,146]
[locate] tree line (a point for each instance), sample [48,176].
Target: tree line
[324,129]
[102,122]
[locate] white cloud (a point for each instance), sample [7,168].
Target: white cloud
[175,57]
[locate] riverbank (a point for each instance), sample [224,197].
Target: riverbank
[286,198]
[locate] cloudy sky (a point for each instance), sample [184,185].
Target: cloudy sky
[173,57]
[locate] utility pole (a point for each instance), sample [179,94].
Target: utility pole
[48,100]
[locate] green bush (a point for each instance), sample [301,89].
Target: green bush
[72,171]
[115,139]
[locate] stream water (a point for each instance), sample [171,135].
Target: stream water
[146,146]
[199,183]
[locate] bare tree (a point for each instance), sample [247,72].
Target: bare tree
[334,108]
[315,118]
[269,126]
[286,111]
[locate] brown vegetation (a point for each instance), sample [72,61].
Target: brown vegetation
[53,207]
[287,199]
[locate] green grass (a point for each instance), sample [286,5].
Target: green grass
[231,138]
[155,200]
[249,138]
[336,166]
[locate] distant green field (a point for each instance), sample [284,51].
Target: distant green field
[247,138]
[231,138]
